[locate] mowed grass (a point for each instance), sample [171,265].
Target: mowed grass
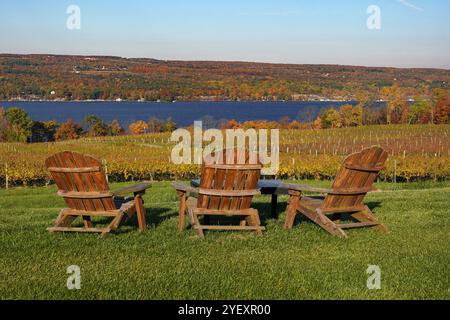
[162,263]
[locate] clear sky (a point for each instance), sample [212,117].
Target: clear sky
[414,33]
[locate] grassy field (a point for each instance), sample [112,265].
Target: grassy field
[163,263]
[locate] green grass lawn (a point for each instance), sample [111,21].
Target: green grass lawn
[162,263]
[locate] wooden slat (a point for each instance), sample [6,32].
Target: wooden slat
[242,212]
[206,182]
[59,179]
[80,186]
[239,184]
[229,185]
[84,195]
[67,176]
[235,166]
[74,170]
[350,191]
[92,213]
[364,168]
[328,210]
[85,179]
[218,185]
[228,193]
[98,182]
[250,183]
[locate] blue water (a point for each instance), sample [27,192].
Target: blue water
[183,113]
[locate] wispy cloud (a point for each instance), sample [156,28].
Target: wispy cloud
[410,5]
[271,13]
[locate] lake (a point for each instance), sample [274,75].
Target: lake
[183,113]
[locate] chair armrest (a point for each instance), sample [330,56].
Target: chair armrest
[137,188]
[301,187]
[184,188]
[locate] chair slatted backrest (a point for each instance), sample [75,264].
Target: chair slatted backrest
[355,178]
[231,184]
[81,181]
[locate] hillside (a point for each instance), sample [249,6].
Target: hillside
[57,77]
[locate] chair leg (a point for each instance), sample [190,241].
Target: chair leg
[291,211]
[63,220]
[87,222]
[115,223]
[182,211]
[140,212]
[368,216]
[254,221]
[196,223]
[323,221]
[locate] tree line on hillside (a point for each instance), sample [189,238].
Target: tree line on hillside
[109,78]
[17,126]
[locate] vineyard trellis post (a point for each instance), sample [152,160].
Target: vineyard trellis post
[395,171]
[105,165]
[6,176]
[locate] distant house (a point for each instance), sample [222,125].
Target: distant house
[52,93]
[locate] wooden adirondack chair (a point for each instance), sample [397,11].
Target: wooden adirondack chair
[83,185]
[225,189]
[353,181]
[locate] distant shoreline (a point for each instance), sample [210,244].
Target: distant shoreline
[184,101]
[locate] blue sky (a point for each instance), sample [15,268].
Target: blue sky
[414,33]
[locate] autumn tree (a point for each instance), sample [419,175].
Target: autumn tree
[20,124]
[395,99]
[442,106]
[363,99]
[155,125]
[170,125]
[43,131]
[96,126]
[420,112]
[331,118]
[115,129]
[138,127]
[68,130]
[346,112]
[4,125]
[317,124]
